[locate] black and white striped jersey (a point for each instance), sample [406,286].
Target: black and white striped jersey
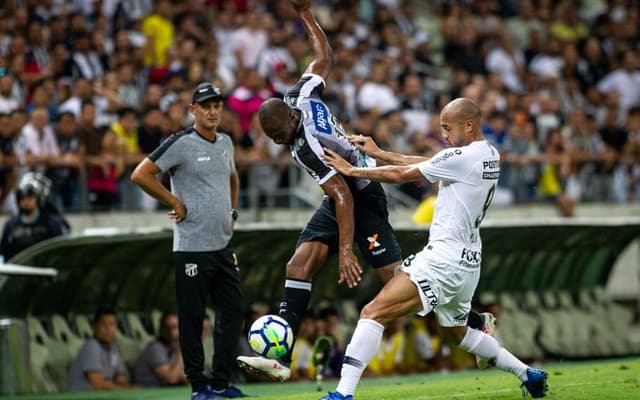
[318,128]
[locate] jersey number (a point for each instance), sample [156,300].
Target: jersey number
[486,205]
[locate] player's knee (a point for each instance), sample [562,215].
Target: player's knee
[372,311]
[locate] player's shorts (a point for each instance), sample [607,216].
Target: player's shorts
[443,287]
[373,233]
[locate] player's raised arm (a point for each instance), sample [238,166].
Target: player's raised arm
[322,53]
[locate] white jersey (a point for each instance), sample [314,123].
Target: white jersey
[468,177]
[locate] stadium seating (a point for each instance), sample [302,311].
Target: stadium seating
[42,381]
[518,328]
[51,365]
[136,329]
[536,325]
[155,316]
[63,333]
[83,326]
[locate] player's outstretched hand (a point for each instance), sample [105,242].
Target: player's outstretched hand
[301,5]
[337,162]
[366,144]
[350,269]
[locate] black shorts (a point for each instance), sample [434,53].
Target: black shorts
[373,233]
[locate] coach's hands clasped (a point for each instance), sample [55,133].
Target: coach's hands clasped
[350,269]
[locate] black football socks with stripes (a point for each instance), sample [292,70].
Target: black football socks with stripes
[294,307]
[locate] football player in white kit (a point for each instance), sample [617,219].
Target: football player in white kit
[444,275]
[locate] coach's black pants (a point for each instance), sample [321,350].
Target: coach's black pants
[198,275]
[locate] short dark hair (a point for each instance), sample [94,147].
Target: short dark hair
[87,102]
[634,111]
[65,114]
[151,108]
[165,315]
[103,310]
[123,111]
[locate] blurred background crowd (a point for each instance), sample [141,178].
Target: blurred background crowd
[89,87]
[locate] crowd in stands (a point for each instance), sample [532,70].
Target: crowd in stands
[87,88]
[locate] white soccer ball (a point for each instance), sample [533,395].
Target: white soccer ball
[270,336]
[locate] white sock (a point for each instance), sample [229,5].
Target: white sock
[483,345]
[364,345]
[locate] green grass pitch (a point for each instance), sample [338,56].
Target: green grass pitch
[617,379]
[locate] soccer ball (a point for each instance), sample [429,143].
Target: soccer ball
[270,336]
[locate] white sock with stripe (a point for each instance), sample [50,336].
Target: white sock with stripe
[364,345]
[483,345]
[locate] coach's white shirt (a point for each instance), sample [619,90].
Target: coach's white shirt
[468,176]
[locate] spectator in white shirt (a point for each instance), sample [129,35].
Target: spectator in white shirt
[9,100]
[508,61]
[37,146]
[248,41]
[375,94]
[625,81]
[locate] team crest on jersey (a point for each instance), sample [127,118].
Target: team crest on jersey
[191,270]
[320,117]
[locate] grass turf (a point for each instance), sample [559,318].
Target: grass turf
[602,380]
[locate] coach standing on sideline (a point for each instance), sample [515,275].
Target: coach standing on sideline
[203,197]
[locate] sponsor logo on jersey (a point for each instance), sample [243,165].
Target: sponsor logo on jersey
[444,157]
[204,158]
[374,244]
[191,270]
[491,175]
[470,258]
[428,292]
[373,241]
[491,164]
[320,117]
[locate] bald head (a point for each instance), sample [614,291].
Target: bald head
[460,120]
[464,109]
[274,115]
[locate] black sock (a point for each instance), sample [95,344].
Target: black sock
[475,320]
[294,306]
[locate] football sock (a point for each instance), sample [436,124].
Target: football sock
[293,307]
[364,345]
[475,321]
[483,345]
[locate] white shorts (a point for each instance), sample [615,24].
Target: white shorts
[442,287]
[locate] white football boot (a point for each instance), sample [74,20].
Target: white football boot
[264,366]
